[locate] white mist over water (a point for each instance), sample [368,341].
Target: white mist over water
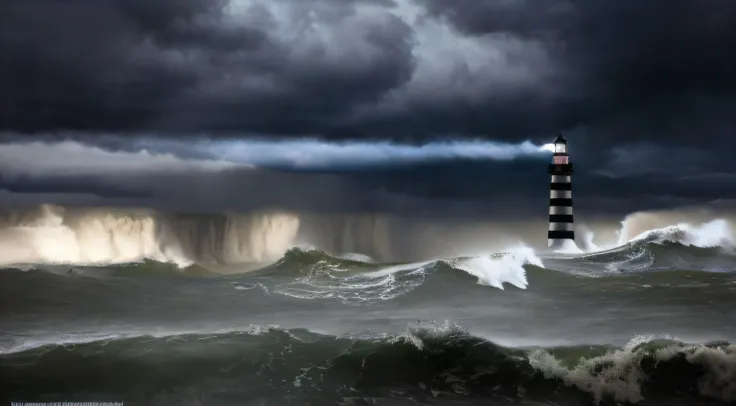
[569,247]
[58,235]
[100,236]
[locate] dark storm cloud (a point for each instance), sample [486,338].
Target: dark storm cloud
[642,47]
[179,65]
[76,185]
[670,63]
[523,17]
[304,175]
[512,69]
[450,189]
[463,179]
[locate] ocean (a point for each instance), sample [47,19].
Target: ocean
[647,321]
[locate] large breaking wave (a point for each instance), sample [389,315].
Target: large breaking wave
[312,275]
[426,364]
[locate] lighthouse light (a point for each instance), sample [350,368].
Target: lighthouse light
[560,148]
[547,147]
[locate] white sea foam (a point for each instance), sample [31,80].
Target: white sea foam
[397,268]
[619,373]
[569,247]
[491,270]
[713,233]
[499,269]
[716,233]
[329,280]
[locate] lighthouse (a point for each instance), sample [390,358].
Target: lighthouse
[561,226]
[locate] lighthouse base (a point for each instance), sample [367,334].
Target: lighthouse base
[563,245]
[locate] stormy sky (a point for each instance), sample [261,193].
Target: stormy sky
[417,107]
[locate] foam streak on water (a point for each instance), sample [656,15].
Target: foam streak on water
[332,278]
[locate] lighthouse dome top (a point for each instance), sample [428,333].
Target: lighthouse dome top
[560,145]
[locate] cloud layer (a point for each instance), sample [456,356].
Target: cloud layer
[154,155]
[450,179]
[433,106]
[411,69]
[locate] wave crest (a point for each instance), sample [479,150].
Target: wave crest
[715,233]
[100,236]
[312,274]
[429,361]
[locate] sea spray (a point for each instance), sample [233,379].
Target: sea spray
[716,233]
[502,268]
[58,235]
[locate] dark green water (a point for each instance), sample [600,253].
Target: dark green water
[644,324]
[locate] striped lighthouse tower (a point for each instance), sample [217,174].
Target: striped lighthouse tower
[561,226]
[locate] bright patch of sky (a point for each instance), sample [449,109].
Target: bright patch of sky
[315,154]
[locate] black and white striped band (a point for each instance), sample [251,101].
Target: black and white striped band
[561,222]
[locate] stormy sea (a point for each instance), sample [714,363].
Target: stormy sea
[147,309]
